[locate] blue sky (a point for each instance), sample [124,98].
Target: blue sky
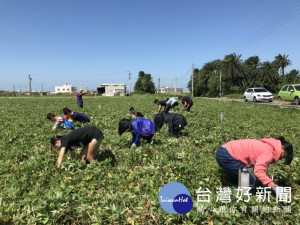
[97,41]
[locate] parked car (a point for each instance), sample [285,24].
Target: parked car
[290,93]
[258,94]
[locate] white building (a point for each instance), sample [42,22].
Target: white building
[170,90]
[66,88]
[112,89]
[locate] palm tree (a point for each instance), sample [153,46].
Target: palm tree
[251,69]
[232,67]
[282,61]
[269,75]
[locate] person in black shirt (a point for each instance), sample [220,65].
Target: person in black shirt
[176,122]
[187,102]
[160,104]
[135,113]
[75,116]
[87,137]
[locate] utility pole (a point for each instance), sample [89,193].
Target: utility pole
[175,84]
[220,84]
[42,88]
[192,80]
[29,84]
[14,89]
[129,81]
[81,84]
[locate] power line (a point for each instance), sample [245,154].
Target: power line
[281,19]
[85,75]
[186,74]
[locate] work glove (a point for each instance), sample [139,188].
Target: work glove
[275,190]
[133,145]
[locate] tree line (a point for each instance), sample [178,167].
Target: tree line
[233,75]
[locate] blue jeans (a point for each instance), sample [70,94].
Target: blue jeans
[232,166]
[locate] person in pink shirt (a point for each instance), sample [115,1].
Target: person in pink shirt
[245,153]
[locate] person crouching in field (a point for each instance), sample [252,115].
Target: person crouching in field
[60,122]
[75,116]
[171,103]
[135,113]
[176,123]
[239,154]
[140,128]
[187,102]
[87,137]
[160,104]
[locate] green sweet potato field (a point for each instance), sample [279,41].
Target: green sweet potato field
[122,187]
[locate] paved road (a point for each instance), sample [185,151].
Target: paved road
[281,104]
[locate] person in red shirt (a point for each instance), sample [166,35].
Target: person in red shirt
[245,153]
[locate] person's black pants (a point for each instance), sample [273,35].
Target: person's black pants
[169,106]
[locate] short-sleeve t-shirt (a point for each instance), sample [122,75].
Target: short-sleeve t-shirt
[138,114]
[162,103]
[81,137]
[187,99]
[171,101]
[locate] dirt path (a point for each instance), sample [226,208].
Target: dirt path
[281,104]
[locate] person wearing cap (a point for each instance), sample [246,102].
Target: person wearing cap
[79,98]
[187,102]
[245,153]
[135,113]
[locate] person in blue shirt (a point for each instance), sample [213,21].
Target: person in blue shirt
[140,128]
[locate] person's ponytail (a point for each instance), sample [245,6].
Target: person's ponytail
[288,148]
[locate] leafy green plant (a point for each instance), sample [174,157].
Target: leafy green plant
[122,186]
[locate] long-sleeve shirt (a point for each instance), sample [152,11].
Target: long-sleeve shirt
[141,127]
[79,97]
[261,153]
[175,122]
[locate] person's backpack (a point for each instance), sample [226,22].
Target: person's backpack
[69,125]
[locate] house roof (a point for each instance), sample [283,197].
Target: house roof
[112,85]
